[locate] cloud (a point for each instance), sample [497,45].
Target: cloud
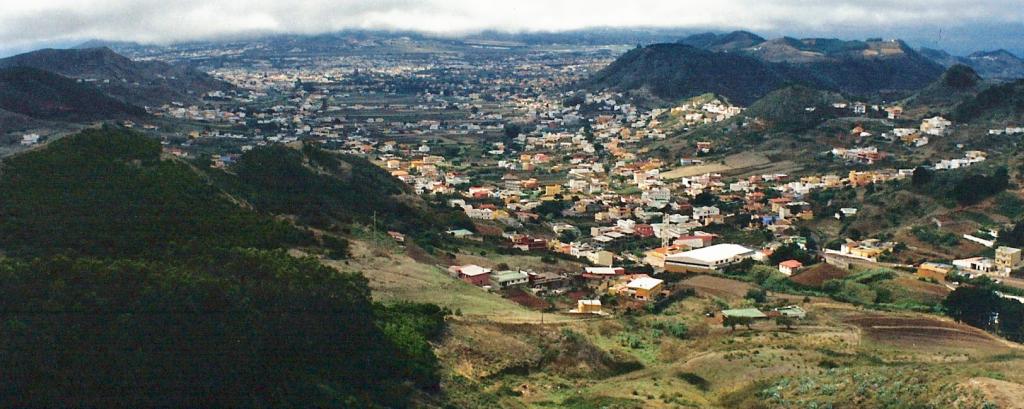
[26,22]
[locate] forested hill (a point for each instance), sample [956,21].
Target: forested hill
[744,68]
[134,281]
[674,71]
[106,193]
[44,95]
[140,83]
[999,103]
[328,191]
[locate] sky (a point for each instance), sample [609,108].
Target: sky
[956,25]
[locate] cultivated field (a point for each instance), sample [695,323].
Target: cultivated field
[716,286]
[740,164]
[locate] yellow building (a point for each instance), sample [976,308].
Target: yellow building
[551,190]
[588,306]
[935,271]
[860,178]
[1007,258]
[646,288]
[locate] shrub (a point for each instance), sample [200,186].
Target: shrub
[696,380]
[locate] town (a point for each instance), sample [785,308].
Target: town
[538,229]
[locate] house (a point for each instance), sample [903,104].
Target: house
[472,274]
[695,241]
[588,307]
[791,311]
[547,279]
[29,139]
[707,259]
[752,313]
[935,271]
[869,249]
[505,279]
[1007,258]
[396,236]
[643,230]
[601,258]
[894,112]
[460,233]
[604,271]
[789,267]
[979,266]
[645,288]
[935,126]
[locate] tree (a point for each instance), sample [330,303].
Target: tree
[705,199]
[757,295]
[791,252]
[568,236]
[733,321]
[974,305]
[975,188]
[922,176]
[784,321]
[512,130]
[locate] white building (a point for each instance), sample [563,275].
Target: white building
[935,126]
[707,259]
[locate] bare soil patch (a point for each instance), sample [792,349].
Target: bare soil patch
[924,332]
[818,274]
[716,286]
[526,299]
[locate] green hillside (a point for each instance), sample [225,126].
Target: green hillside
[328,190]
[106,192]
[44,95]
[671,72]
[794,108]
[677,71]
[132,281]
[1004,102]
[956,84]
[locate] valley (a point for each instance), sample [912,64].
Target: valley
[382,219]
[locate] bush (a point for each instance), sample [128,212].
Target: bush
[676,329]
[757,295]
[337,247]
[696,380]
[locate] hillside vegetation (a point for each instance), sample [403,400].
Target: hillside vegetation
[1004,102]
[136,82]
[132,281]
[744,68]
[44,95]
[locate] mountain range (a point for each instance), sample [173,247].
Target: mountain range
[999,64]
[744,67]
[142,83]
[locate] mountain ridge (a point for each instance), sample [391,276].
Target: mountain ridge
[144,83]
[680,70]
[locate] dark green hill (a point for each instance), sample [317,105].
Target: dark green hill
[794,108]
[884,68]
[106,192]
[44,95]
[1000,103]
[956,84]
[129,281]
[330,190]
[137,82]
[735,40]
[674,71]
[670,72]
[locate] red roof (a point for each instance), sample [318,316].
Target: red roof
[791,264]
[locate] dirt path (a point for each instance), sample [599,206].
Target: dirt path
[1006,395]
